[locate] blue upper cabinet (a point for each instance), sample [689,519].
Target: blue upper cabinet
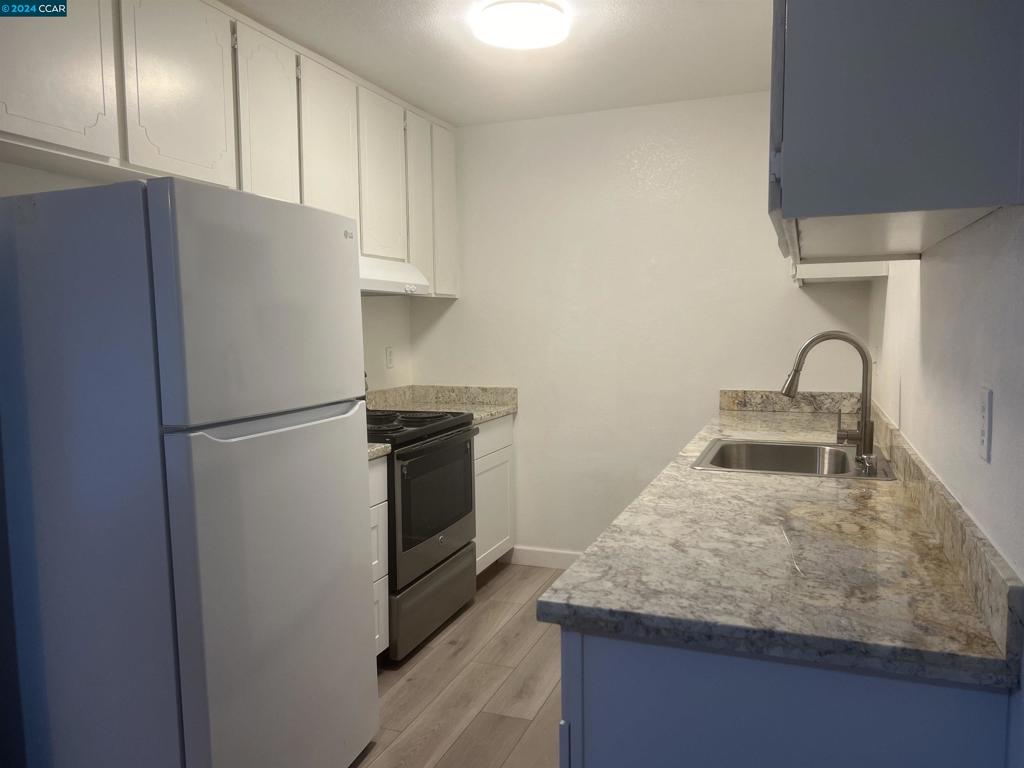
[893,123]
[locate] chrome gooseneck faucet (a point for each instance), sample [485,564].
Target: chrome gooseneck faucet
[864,435]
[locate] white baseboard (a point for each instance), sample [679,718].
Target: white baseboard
[544,557]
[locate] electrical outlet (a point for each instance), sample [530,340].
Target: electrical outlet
[985,434]
[389,357]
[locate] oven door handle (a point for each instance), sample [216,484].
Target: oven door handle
[427,446]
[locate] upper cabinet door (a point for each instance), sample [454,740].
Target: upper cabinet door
[891,107]
[421,194]
[178,89]
[446,231]
[58,78]
[330,149]
[268,116]
[382,177]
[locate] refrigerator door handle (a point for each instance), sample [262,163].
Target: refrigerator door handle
[246,430]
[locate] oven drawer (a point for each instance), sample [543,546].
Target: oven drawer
[494,435]
[416,611]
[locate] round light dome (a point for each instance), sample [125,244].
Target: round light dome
[521,24]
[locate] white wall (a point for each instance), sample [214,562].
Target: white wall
[942,329]
[386,323]
[620,268]
[19,180]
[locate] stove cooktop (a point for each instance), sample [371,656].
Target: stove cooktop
[405,427]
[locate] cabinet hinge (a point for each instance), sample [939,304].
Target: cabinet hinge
[775,165]
[298,70]
[234,39]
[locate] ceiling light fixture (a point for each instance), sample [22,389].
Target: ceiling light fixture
[520,24]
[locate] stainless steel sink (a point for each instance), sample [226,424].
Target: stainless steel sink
[777,458]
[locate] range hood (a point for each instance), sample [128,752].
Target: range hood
[388,276]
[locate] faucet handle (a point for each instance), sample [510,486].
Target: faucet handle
[845,435]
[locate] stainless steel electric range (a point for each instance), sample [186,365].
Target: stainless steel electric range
[432,568]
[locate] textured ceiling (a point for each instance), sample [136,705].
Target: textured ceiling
[620,53]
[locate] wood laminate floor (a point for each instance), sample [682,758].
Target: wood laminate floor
[483,692]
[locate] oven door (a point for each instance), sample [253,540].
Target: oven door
[432,504]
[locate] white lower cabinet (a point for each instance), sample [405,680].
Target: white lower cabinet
[728,711]
[379,549]
[495,491]
[378,481]
[379,540]
[493,507]
[380,613]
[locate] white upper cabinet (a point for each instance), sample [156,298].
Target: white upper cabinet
[330,143]
[205,93]
[268,119]
[382,190]
[58,78]
[421,194]
[446,234]
[893,124]
[178,89]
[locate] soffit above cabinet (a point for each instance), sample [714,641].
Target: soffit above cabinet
[887,236]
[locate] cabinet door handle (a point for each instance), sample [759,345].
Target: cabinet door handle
[564,751]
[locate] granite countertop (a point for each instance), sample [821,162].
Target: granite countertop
[376,450]
[837,572]
[485,403]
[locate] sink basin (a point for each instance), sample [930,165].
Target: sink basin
[777,458]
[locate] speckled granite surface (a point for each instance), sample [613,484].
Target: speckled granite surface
[988,578]
[485,403]
[376,450]
[842,573]
[804,402]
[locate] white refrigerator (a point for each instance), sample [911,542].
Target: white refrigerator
[185,479]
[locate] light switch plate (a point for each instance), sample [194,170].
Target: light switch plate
[985,434]
[389,357]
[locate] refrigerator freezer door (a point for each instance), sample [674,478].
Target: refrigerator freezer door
[273,591]
[257,304]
